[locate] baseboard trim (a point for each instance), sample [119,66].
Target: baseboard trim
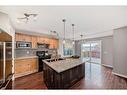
[107,66]
[24,74]
[119,75]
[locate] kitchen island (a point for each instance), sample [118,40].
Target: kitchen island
[62,74]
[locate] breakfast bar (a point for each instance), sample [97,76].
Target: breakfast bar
[62,74]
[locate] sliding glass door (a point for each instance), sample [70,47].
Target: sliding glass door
[86,52]
[91,51]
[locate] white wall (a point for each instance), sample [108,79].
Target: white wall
[107,51]
[120,51]
[5,24]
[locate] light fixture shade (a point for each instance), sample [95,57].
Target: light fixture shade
[73,42]
[64,20]
[64,41]
[35,18]
[73,33]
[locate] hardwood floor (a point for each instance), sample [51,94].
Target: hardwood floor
[33,81]
[100,77]
[97,77]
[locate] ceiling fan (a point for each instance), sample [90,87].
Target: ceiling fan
[27,17]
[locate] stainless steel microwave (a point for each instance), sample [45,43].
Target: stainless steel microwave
[22,44]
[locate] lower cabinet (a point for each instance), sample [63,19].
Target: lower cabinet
[63,80]
[25,66]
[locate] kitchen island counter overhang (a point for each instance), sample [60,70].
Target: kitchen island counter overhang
[63,74]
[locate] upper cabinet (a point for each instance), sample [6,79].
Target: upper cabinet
[53,43]
[34,41]
[43,40]
[40,39]
[23,37]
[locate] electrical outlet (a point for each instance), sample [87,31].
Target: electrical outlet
[27,52]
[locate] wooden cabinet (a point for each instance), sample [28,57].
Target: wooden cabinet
[53,43]
[23,37]
[56,43]
[62,80]
[43,40]
[47,40]
[40,39]
[34,42]
[33,65]
[25,66]
[18,37]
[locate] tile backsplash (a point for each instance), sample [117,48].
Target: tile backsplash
[31,52]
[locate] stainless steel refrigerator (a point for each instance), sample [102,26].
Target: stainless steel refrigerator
[5,60]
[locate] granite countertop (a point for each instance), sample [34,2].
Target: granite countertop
[63,65]
[26,57]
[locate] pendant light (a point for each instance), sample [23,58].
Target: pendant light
[81,38]
[73,33]
[64,20]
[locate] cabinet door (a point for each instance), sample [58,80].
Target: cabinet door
[47,40]
[34,42]
[34,64]
[51,44]
[25,66]
[21,66]
[23,37]
[40,39]
[55,43]
[27,38]
[18,37]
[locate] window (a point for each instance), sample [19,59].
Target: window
[68,49]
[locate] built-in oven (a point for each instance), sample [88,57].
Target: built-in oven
[22,44]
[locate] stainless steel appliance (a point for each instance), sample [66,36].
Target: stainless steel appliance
[22,44]
[5,61]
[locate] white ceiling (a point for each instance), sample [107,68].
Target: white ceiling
[89,20]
